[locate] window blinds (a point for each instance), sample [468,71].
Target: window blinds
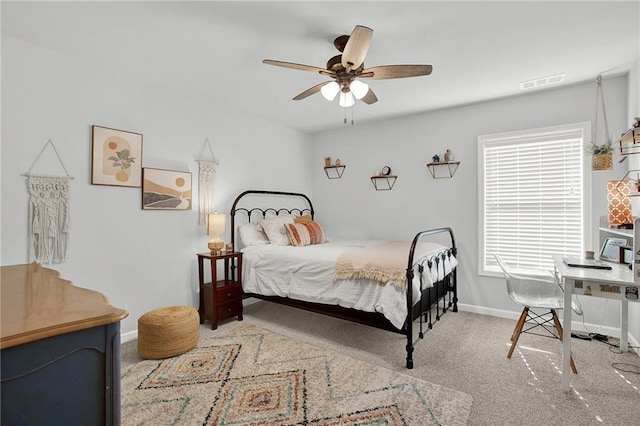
[532,197]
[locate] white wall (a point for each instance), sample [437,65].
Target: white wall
[351,207]
[139,259]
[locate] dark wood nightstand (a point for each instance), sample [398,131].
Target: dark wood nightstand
[225,300]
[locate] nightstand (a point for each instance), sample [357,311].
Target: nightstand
[224,300]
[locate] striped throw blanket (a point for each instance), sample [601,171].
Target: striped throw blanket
[382,262]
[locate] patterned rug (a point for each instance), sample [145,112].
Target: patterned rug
[251,376]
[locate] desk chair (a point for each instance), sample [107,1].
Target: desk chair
[536,289]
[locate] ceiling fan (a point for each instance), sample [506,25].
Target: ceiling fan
[347,69]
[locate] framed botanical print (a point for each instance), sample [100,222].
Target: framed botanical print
[116,157]
[166,189]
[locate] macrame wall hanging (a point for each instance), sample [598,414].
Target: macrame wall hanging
[206,177]
[49,213]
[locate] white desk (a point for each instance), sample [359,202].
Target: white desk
[616,283]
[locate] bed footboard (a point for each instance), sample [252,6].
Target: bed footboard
[444,291]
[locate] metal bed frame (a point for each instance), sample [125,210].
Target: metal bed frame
[441,297]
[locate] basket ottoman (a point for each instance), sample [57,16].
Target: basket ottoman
[167,332]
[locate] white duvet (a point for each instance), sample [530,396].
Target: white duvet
[306,273]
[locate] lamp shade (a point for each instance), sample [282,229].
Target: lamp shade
[330,90]
[359,89]
[216,224]
[346,99]
[618,202]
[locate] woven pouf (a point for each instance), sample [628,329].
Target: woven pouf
[167,332]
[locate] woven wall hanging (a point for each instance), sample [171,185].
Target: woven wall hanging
[49,215]
[206,181]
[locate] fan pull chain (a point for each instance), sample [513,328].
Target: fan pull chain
[345,114]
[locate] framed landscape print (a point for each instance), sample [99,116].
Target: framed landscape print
[166,189]
[116,157]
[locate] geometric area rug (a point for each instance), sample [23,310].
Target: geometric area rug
[251,376]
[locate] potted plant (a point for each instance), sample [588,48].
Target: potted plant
[601,155]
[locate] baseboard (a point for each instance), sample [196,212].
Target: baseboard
[575,325]
[128,336]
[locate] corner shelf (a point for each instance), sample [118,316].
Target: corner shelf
[452,167]
[383,183]
[334,172]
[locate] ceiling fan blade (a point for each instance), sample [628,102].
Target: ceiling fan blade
[300,67]
[370,97]
[356,48]
[396,71]
[310,91]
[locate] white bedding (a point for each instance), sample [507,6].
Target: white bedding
[306,273]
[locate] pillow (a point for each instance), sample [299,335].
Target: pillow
[305,234]
[302,219]
[250,235]
[274,228]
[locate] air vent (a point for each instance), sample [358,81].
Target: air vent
[540,82]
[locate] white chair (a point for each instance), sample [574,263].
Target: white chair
[536,289]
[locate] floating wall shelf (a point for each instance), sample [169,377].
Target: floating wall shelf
[334,172]
[383,183]
[629,142]
[450,168]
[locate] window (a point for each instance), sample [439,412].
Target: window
[534,196]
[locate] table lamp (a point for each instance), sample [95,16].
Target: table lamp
[215,228]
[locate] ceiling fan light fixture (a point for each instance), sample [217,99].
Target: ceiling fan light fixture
[330,90]
[359,89]
[346,99]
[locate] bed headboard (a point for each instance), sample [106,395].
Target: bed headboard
[251,205]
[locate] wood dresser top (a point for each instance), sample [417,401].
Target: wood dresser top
[37,303]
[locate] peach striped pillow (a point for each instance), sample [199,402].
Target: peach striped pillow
[305,234]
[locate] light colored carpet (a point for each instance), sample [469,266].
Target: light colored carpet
[250,376]
[467,352]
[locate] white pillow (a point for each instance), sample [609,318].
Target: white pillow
[274,228]
[250,235]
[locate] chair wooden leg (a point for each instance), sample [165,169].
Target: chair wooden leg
[518,330]
[556,321]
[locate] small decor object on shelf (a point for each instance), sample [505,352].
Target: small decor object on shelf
[338,162]
[386,171]
[448,156]
[327,161]
[436,158]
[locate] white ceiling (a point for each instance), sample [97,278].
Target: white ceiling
[479,50]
